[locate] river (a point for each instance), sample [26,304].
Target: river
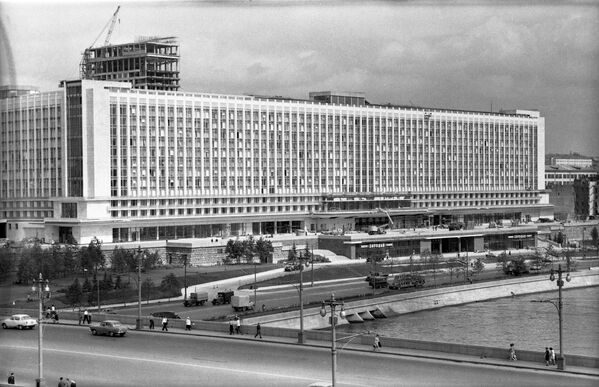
[497,323]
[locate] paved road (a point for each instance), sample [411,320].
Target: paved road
[271,299]
[157,359]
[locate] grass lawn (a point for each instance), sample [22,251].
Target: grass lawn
[10,292]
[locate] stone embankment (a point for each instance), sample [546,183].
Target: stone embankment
[402,303]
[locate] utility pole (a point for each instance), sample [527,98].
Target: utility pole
[138,325]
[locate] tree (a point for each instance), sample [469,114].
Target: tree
[87,286]
[264,250]
[74,293]
[595,237]
[170,284]
[121,260]
[307,254]
[92,256]
[292,254]
[249,249]
[7,262]
[146,288]
[234,250]
[118,284]
[478,266]
[106,283]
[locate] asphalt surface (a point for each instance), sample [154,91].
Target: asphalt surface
[179,358]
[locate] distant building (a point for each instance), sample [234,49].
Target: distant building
[150,63]
[100,158]
[566,174]
[586,198]
[9,91]
[572,161]
[563,199]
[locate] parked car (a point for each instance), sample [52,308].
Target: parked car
[110,328]
[19,321]
[169,315]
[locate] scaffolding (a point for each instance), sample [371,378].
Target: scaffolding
[149,63]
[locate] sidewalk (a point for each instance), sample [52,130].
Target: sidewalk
[342,346]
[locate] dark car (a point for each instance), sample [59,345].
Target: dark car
[110,328]
[170,315]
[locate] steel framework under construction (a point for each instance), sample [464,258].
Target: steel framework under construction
[149,63]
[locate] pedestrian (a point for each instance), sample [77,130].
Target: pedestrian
[80,316]
[53,308]
[151,323]
[376,345]
[512,356]
[258,331]
[73,384]
[56,317]
[238,323]
[187,324]
[230,327]
[62,383]
[551,356]
[164,324]
[547,356]
[85,316]
[11,378]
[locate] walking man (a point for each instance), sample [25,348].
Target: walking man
[552,356]
[512,352]
[164,324]
[238,322]
[258,331]
[151,323]
[230,327]
[85,316]
[188,324]
[11,378]
[376,345]
[547,356]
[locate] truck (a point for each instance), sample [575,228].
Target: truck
[242,303]
[196,299]
[378,281]
[223,298]
[374,230]
[407,281]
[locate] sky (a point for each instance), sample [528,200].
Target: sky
[470,55]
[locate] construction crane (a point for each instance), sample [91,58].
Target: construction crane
[87,53]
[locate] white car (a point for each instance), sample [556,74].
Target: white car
[19,321]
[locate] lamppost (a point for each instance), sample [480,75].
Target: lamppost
[332,303]
[138,324]
[584,252]
[561,360]
[255,296]
[185,277]
[42,286]
[300,334]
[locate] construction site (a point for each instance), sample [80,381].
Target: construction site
[150,63]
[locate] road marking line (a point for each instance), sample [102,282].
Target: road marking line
[145,360]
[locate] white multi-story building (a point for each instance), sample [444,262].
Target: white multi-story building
[98,158]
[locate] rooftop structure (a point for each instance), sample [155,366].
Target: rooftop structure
[150,63]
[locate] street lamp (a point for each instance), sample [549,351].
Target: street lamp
[561,360]
[138,324]
[42,286]
[332,303]
[302,259]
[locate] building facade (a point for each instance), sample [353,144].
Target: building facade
[99,158]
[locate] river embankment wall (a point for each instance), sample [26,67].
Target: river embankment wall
[402,303]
